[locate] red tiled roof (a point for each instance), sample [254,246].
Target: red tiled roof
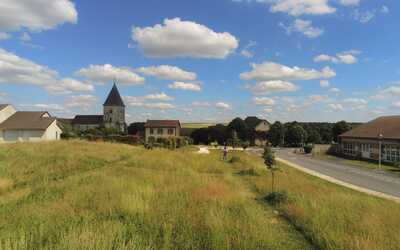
[162,124]
[388,126]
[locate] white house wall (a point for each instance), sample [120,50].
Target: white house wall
[6,113]
[53,132]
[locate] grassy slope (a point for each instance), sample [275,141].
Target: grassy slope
[78,194]
[197,125]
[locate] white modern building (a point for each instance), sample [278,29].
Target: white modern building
[24,126]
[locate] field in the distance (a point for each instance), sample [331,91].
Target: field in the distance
[81,195]
[197,125]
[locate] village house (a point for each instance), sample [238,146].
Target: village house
[365,141]
[261,127]
[113,115]
[23,126]
[161,129]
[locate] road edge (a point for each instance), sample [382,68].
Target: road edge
[338,182]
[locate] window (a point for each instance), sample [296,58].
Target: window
[160,131]
[390,153]
[170,131]
[151,131]
[349,148]
[366,148]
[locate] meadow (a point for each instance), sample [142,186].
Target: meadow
[81,195]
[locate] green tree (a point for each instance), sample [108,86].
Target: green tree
[339,128]
[313,136]
[239,127]
[276,134]
[295,135]
[269,161]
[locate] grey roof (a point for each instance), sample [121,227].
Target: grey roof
[27,120]
[114,98]
[3,106]
[88,119]
[388,126]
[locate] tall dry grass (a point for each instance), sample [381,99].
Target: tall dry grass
[81,195]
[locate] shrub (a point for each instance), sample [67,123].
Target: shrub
[276,198]
[214,144]
[308,149]
[245,144]
[234,159]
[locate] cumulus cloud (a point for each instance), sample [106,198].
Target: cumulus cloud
[355,103]
[275,71]
[49,107]
[275,86]
[68,85]
[107,73]
[176,38]
[168,72]
[263,101]
[222,105]
[304,27]
[334,90]
[336,106]
[388,92]
[185,86]
[324,83]
[302,7]
[363,17]
[347,57]
[246,50]
[159,96]
[81,101]
[36,15]
[151,101]
[201,104]
[18,70]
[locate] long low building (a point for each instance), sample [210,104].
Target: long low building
[20,126]
[162,129]
[366,140]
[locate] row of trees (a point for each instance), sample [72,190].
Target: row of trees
[292,134]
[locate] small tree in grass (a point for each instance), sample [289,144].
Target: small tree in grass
[269,160]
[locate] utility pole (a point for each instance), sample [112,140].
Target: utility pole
[380,137]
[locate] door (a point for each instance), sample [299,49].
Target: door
[366,151]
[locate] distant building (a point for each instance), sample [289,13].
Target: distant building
[261,127]
[363,141]
[23,126]
[113,115]
[162,129]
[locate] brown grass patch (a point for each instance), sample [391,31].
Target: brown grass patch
[5,185]
[212,192]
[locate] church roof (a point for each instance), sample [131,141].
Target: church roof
[114,98]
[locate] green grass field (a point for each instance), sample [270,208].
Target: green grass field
[197,125]
[81,195]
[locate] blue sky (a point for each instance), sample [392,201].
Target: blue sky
[305,60]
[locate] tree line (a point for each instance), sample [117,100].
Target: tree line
[293,134]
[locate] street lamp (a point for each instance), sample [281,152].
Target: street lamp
[380,137]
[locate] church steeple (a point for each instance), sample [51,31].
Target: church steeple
[114,98]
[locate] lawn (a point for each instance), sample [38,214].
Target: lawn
[81,195]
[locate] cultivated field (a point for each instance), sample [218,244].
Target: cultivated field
[197,125]
[81,195]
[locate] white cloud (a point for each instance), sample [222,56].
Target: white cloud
[350,2]
[334,90]
[178,38]
[355,101]
[159,96]
[336,106]
[263,101]
[246,50]
[302,7]
[346,57]
[388,92]
[49,107]
[324,83]
[317,98]
[363,17]
[275,86]
[17,70]
[185,86]
[4,36]
[385,9]
[222,105]
[303,26]
[36,15]
[159,105]
[68,85]
[396,104]
[107,73]
[81,101]
[201,104]
[168,72]
[274,71]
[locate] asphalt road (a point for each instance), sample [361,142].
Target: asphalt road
[375,180]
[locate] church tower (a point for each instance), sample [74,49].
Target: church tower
[114,110]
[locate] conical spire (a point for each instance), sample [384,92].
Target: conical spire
[114,98]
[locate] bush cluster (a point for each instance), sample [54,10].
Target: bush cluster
[172,142]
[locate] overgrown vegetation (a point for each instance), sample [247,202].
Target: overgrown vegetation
[82,195]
